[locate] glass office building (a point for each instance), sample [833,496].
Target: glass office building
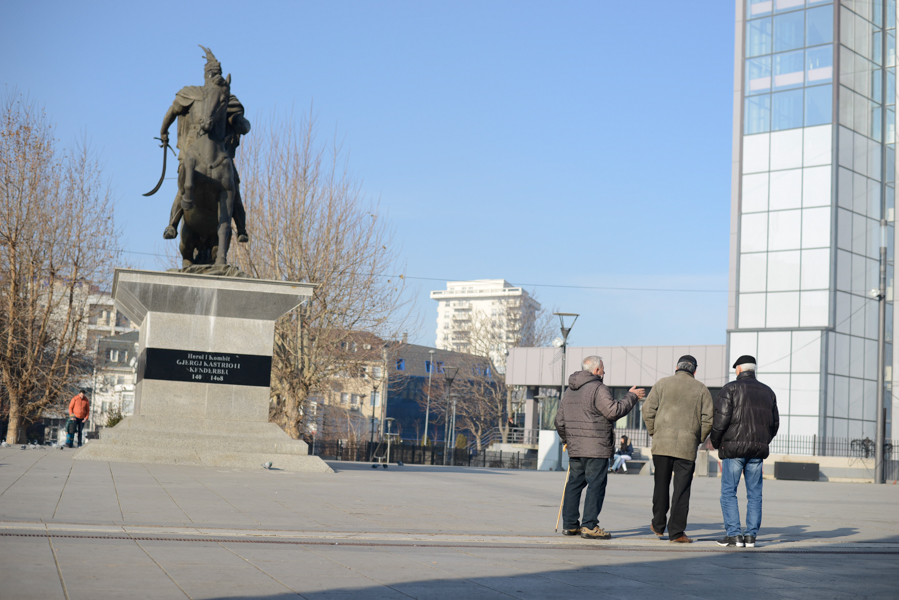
[813,175]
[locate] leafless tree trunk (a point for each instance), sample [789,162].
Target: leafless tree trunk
[484,398]
[309,221]
[57,243]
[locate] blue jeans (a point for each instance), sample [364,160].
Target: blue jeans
[591,473]
[751,470]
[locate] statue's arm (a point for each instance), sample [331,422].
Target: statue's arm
[175,110]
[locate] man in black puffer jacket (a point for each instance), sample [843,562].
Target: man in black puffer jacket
[745,422]
[585,422]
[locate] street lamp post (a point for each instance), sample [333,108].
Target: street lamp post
[375,385]
[562,343]
[428,405]
[449,373]
[881,295]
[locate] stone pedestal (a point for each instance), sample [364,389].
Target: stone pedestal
[203,373]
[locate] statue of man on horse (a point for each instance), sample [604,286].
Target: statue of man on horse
[210,123]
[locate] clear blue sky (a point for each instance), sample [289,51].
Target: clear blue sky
[547,143]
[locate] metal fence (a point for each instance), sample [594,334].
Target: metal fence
[414,454]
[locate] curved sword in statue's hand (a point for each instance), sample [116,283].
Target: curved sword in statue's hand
[163,145]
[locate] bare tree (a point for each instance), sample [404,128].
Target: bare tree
[484,400]
[309,221]
[57,242]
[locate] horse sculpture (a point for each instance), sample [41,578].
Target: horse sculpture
[210,120]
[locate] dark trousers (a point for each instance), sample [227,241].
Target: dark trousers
[79,425]
[679,501]
[591,473]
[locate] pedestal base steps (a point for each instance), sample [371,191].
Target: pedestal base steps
[206,443]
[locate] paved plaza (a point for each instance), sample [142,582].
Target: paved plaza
[79,529]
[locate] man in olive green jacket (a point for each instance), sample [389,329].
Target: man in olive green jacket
[678,416]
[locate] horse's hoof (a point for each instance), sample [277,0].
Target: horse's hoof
[243,238]
[169,233]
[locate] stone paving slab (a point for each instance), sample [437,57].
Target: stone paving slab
[79,529]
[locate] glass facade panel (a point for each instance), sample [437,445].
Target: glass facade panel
[784,230]
[786,189]
[758,40]
[758,8]
[789,30]
[782,309]
[786,110]
[752,310]
[788,69]
[758,75]
[787,148]
[753,272]
[754,232]
[755,193]
[818,105]
[816,227]
[815,269]
[757,115]
[819,65]
[783,272]
[783,5]
[816,186]
[819,29]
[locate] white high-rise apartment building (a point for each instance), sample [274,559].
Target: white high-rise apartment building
[499,314]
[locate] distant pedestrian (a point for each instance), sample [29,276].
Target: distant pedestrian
[746,420]
[678,416]
[624,453]
[79,410]
[585,422]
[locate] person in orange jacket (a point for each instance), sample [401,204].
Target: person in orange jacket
[79,410]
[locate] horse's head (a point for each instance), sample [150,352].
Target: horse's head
[214,108]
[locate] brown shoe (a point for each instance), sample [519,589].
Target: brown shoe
[597,533]
[653,529]
[683,539]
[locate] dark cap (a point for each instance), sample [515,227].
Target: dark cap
[688,358]
[744,360]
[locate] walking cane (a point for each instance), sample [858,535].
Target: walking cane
[567,473]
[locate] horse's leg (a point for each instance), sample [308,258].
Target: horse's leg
[226,211]
[187,246]
[187,196]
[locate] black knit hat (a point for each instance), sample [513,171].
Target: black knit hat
[744,360]
[689,359]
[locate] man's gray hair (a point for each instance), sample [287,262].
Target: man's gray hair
[748,367]
[686,365]
[591,362]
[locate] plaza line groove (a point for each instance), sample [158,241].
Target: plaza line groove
[409,545]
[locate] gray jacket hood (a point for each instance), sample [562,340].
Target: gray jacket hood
[578,379]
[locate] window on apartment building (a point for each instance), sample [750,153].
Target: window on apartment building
[344,398]
[400,364]
[120,380]
[354,401]
[127,404]
[105,406]
[376,399]
[437,365]
[114,355]
[376,372]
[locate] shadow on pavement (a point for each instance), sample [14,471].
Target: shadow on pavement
[340,465]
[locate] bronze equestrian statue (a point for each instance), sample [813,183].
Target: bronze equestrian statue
[210,123]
